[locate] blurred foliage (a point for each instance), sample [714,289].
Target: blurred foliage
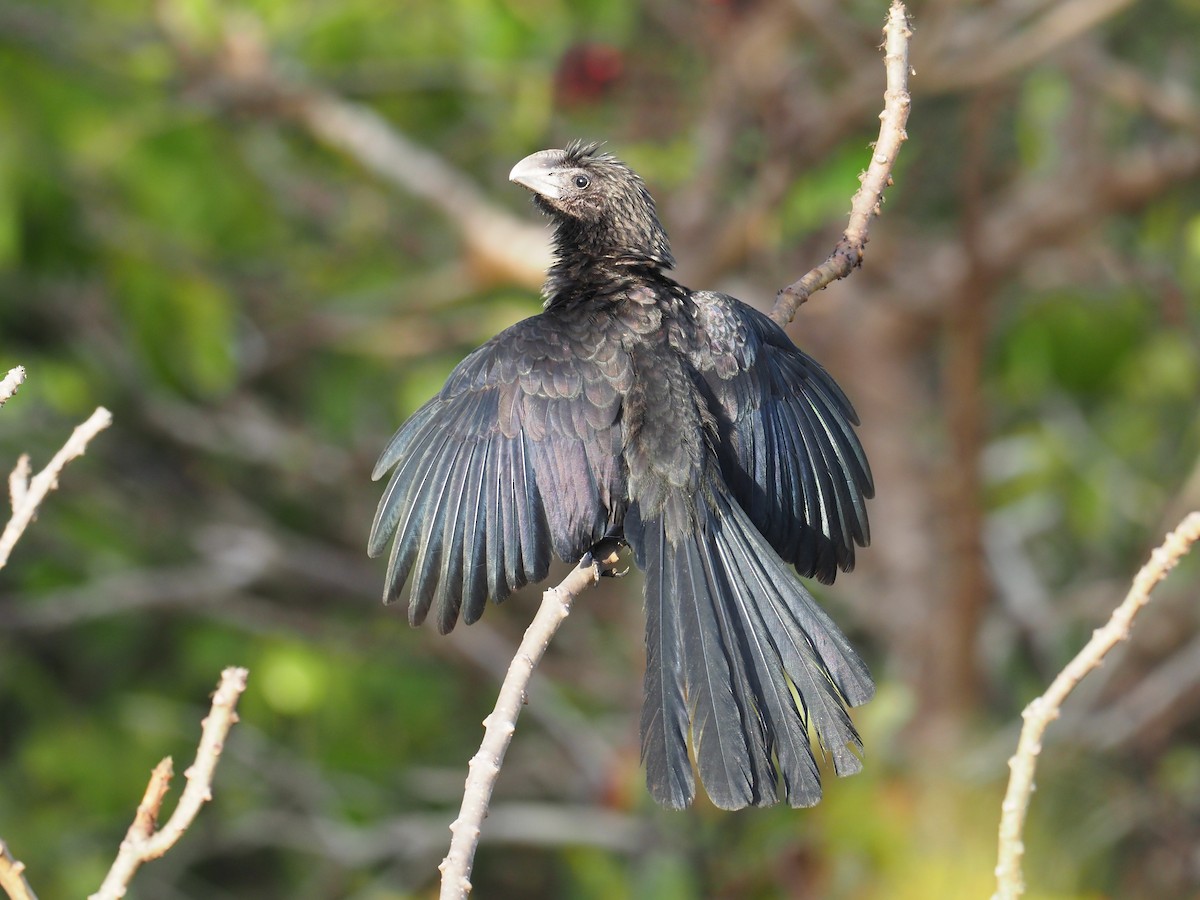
[259,313]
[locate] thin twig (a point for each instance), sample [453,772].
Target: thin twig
[18,481]
[143,842]
[13,380]
[27,494]
[591,751]
[1042,711]
[1161,698]
[848,252]
[502,722]
[12,876]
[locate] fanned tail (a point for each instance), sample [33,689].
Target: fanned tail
[738,647]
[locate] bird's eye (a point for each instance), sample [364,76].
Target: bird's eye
[581,181]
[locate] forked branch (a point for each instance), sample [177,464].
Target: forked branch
[28,493]
[145,840]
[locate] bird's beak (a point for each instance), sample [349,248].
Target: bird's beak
[537,171]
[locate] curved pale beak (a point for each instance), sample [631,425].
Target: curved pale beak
[537,172]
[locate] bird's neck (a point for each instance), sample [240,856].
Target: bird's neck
[577,279]
[591,263]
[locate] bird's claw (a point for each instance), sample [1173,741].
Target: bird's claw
[604,556]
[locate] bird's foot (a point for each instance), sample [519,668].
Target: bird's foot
[605,555]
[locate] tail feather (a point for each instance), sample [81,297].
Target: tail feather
[786,729]
[746,669]
[664,712]
[821,702]
[826,671]
[719,724]
[739,648]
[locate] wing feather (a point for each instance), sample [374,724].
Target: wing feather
[494,474]
[792,458]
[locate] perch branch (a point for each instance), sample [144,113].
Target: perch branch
[847,255]
[13,380]
[145,841]
[12,876]
[1043,710]
[502,722]
[27,494]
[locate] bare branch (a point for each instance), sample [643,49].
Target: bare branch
[1036,213]
[13,380]
[12,876]
[18,481]
[1170,100]
[241,75]
[497,240]
[502,722]
[143,842]
[27,494]
[591,751]
[847,255]
[1043,710]
[986,57]
[1165,694]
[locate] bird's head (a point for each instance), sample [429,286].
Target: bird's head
[600,206]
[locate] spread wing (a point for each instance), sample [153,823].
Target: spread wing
[788,448]
[518,455]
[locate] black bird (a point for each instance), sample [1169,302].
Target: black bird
[684,422]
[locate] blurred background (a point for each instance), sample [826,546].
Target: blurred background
[263,233]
